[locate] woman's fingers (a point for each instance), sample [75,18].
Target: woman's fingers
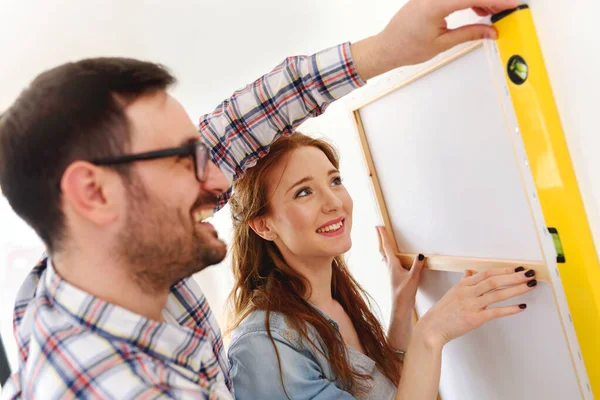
[497,281]
[488,273]
[499,312]
[504,294]
[385,245]
[485,11]
[481,11]
[417,267]
[381,250]
[465,306]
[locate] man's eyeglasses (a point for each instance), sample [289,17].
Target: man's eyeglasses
[196,149]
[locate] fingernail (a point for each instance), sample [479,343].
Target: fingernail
[522,306]
[421,257]
[532,283]
[490,35]
[530,273]
[519,269]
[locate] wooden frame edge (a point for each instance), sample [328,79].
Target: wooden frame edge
[433,262]
[441,63]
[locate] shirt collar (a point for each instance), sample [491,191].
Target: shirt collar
[327,317]
[180,345]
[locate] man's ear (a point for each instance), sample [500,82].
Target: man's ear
[261,227]
[90,192]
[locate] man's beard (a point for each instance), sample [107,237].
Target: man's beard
[161,244]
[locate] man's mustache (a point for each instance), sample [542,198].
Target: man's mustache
[205,198]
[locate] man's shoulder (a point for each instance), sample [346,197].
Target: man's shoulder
[73,361]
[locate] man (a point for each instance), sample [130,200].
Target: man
[110,171]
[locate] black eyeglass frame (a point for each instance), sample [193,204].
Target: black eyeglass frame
[196,149]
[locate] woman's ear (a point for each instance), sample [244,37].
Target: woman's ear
[260,226]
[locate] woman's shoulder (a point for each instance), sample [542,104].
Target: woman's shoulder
[258,362]
[254,328]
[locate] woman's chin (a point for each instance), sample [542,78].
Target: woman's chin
[339,248]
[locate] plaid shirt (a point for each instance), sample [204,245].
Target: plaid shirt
[72,344]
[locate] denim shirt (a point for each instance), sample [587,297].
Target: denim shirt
[306,372]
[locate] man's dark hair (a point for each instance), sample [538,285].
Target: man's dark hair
[71,112]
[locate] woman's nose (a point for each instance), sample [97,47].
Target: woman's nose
[331,201]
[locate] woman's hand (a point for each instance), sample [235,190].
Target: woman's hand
[465,306]
[462,309]
[404,282]
[404,289]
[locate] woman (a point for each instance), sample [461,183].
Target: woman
[302,326]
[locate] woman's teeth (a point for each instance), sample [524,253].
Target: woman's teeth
[330,228]
[201,215]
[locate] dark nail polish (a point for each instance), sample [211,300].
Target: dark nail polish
[532,283]
[421,257]
[530,273]
[522,306]
[519,269]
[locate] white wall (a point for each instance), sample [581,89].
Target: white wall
[216,47]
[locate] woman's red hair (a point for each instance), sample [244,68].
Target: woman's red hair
[264,281]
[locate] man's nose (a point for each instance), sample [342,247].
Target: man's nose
[216,182]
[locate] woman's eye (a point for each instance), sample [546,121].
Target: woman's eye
[336,181]
[302,193]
